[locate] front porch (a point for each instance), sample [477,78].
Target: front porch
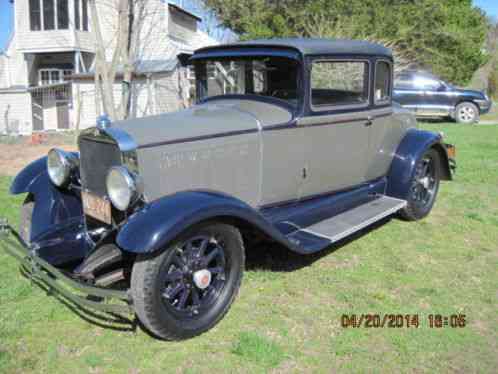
[51,107]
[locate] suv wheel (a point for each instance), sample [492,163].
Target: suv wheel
[424,187]
[467,113]
[187,288]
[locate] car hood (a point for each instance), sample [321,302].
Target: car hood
[202,121]
[473,93]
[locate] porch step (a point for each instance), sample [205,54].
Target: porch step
[331,230]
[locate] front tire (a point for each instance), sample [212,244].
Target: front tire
[467,113]
[424,187]
[187,288]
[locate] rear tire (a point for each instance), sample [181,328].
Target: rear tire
[168,297]
[467,113]
[26,219]
[424,187]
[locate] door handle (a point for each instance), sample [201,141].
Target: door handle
[369,122]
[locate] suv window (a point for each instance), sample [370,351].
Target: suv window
[426,83]
[382,82]
[404,82]
[339,83]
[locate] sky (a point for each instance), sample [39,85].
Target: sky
[490,6]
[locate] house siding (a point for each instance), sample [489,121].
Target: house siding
[15,112]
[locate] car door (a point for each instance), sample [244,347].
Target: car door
[334,135]
[406,93]
[438,98]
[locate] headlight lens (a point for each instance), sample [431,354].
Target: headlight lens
[121,187]
[59,166]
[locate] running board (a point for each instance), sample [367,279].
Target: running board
[320,235]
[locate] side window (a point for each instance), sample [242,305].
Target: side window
[382,82]
[424,83]
[404,82]
[339,83]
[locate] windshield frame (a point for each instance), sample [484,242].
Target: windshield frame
[251,55]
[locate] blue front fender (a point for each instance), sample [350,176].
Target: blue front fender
[413,146]
[153,227]
[53,206]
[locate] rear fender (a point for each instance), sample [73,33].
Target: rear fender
[413,146]
[53,206]
[161,221]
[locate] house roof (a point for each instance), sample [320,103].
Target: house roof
[142,68]
[14,89]
[307,46]
[183,11]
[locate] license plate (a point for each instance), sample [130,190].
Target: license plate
[97,207]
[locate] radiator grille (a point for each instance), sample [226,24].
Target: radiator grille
[96,158]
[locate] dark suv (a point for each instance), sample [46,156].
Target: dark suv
[428,96]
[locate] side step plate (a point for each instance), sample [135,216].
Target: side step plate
[331,230]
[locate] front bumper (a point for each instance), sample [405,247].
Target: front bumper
[81,294]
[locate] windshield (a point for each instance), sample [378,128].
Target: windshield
[275,77]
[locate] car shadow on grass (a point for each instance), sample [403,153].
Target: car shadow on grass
[271,256]
[109,321]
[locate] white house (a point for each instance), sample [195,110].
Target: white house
[46,71]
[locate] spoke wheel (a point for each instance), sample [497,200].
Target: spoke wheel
[189,286]
[195,276]
[424,187]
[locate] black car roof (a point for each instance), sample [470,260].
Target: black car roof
[308,46]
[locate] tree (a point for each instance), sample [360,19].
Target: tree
[443,36]
[131,16]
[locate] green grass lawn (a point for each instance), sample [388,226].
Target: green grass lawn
[287,315]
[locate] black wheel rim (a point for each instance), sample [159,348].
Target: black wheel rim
[184,292]
[425,186]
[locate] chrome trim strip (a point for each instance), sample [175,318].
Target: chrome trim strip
[199,138]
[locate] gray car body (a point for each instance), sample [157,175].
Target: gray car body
[231,146]
[261,152]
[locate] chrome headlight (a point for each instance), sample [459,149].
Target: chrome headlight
[122,187]
[60,164]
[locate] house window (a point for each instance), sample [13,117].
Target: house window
[81,15]
[62,14]
[77,14]
[35,15]
[44,77]
[339,84]
[53,76]
[49,14]
[84,14]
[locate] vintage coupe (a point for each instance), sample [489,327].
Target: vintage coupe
[292,140]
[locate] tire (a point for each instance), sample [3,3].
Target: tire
[467,113]
[26,218]
[166,312]
[423,192]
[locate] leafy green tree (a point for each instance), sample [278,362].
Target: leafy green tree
[445,37]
